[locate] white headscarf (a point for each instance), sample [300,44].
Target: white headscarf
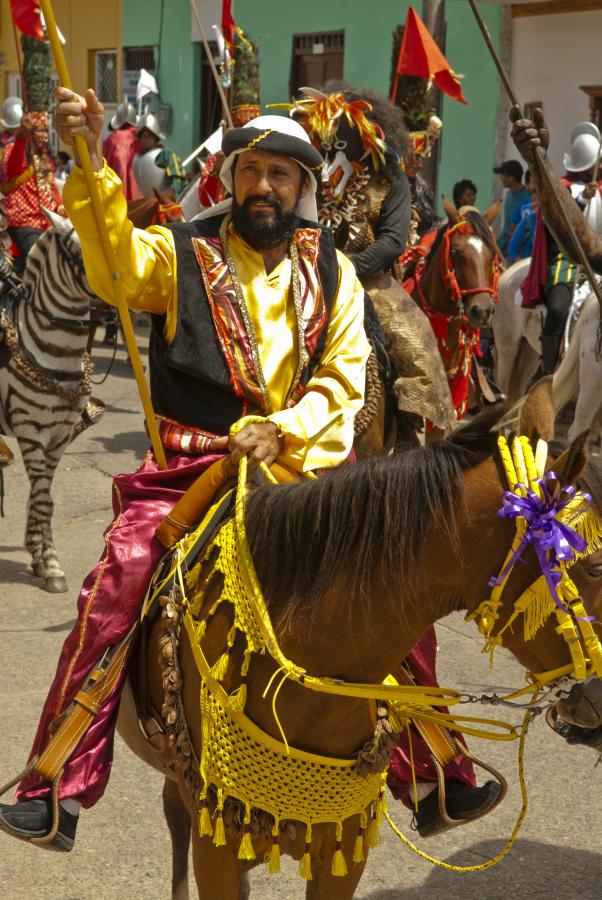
[306,207]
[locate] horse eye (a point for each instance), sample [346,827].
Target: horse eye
[326,145]
[340,145]
[595,572]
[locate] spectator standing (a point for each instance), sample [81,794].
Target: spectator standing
[464,193]
[523,236]
[517,196]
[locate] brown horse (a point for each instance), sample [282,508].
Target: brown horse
[404,540]
[158,210]
[456,286]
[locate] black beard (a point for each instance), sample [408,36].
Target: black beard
[263,232]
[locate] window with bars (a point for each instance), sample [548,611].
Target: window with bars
[106,75]
[317,58]
[139,58]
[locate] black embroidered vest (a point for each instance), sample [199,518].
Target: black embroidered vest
[190,381]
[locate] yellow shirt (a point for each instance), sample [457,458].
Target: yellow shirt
[319,429]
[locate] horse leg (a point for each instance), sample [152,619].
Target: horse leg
[326,886]
[40,463]
[218,873]
[525,366]
[178,822]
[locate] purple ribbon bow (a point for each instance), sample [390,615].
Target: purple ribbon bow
[552,540]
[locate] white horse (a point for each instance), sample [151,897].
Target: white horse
[579,375]
[516,333]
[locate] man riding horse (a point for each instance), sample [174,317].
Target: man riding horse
[528,135]
[253,311]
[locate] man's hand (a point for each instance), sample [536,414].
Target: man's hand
[590,190]
[25,128]
[261,441]
[527,134]
[80,115]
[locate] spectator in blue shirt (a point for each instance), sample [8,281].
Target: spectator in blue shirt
[517,195]
[521,242]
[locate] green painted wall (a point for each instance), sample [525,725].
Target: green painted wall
[468,145]
[368,35]
[178,59]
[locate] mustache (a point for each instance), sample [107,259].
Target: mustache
[266,199]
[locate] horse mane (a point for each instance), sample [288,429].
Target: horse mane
[306,537]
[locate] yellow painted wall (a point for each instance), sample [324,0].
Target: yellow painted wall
[86,24]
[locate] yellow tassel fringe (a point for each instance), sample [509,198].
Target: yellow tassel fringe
[339,866]
[237,700]
[305,863]
[274,854]
[219,835]
[220,668]
[358,848]
[246,851]
[205,827]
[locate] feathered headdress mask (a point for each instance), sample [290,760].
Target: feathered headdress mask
[320,115]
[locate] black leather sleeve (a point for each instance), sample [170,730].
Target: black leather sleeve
[391,231]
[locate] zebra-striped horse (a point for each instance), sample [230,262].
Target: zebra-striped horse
[46,383]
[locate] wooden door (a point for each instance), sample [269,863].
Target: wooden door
[317,58]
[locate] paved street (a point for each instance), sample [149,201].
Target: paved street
[122,847]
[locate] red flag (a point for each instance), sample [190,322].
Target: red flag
[27,17]
[228,23]
[419,55]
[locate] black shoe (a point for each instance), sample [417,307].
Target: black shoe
[33,819]
[463,803]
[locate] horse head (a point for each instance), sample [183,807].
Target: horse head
[557,593]
[55,274]
[470,263]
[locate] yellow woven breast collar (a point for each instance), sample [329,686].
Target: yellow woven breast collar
[524,471]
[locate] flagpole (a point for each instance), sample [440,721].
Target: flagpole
[105,242]
[541,160]
[218,84]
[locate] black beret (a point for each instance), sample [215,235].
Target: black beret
[250,138]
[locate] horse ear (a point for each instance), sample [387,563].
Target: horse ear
[570,465]
[537,414]
[59,223]
[450,210]
[493,212]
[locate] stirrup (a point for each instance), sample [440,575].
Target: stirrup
[74,724]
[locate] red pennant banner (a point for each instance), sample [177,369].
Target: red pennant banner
[28,18]
[419,55]
[228,23]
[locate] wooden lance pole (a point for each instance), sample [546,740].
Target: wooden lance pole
[105,243]
[215,73]
[542,161]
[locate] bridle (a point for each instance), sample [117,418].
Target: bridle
[450,278]
[559,525]
[167,212]
[448,271]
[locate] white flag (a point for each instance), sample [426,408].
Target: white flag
[147,84]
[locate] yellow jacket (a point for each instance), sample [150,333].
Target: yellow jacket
[319,429]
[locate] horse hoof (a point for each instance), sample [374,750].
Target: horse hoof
[56,584]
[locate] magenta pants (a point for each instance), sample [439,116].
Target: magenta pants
[109,603]
[107,607]
[422,662]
